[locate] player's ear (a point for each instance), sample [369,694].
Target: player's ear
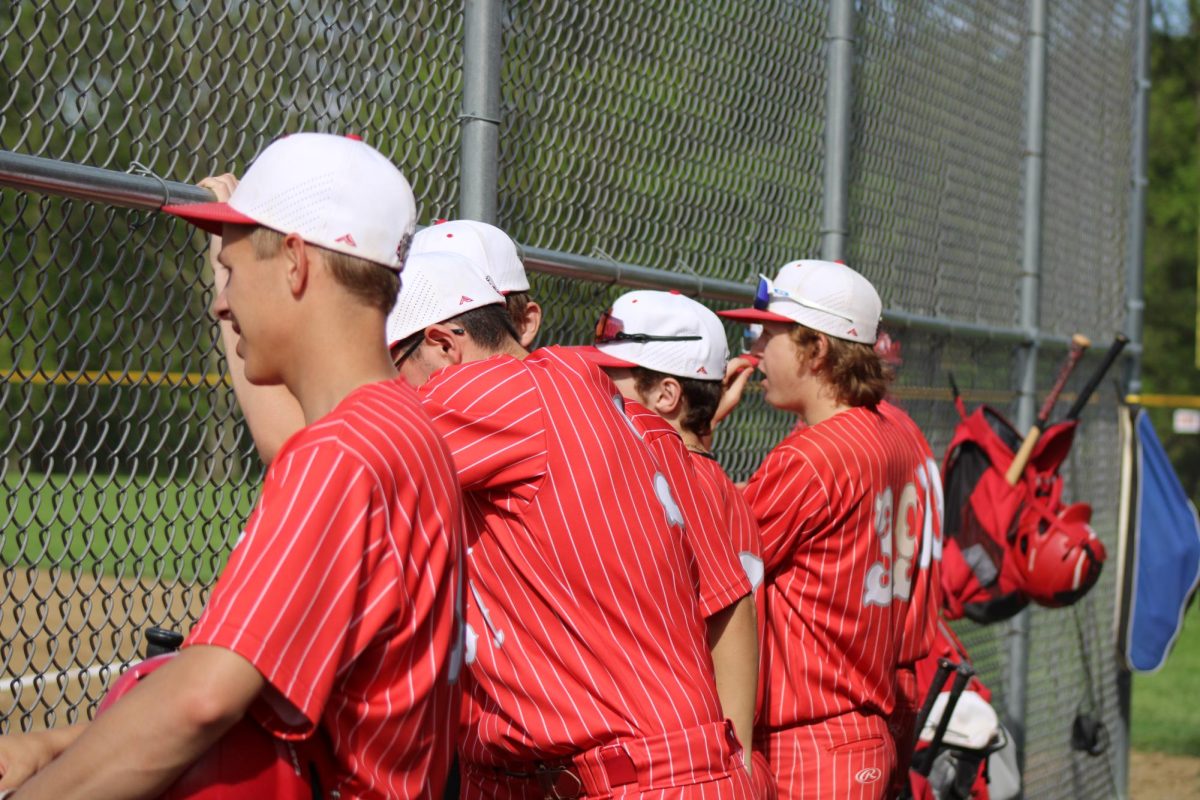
[531,324]
[668,396]
[296,263]
[446,345]
[818,352]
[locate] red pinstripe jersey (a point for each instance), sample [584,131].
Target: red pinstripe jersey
[921,621]
[343,593]
[583,619]
[849,536]
[718,539]
[737,521]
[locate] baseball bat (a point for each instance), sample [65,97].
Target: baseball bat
[1110,358]
[962,675]
[1079,345]
[944,668]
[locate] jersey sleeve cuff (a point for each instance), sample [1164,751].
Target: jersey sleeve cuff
[720,599]
[280,715]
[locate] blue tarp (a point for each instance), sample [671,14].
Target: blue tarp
[1162,566]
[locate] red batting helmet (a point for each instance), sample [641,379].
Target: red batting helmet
[245,764]
[1058,555]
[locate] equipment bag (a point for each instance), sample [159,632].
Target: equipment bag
[996,535]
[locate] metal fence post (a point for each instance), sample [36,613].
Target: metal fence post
[1134,307]
[1031,267]
[838,105]
[478,180]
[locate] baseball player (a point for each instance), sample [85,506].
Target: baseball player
[667,353]
[273,413]
[592,595]
[848,509]
[592,583]
[336,614]
[488,248]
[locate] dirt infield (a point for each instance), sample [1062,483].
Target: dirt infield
[1157,776]
[63,637]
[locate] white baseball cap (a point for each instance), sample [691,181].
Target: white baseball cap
[489,249]
[435,287]
[663,331]
[334,191]
[822,295]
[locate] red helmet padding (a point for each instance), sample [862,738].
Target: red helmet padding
[245,764]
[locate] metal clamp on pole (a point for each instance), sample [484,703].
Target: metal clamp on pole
[480,117]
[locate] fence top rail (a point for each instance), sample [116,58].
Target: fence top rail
[148,192]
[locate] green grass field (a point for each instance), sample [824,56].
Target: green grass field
[1166,718]
[126,526]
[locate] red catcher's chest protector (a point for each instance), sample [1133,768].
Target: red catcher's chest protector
[981,579]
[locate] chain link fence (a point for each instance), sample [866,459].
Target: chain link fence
[683,139]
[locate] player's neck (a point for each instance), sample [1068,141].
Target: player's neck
[824,406]
[471,352]
[333,367]
[691,441]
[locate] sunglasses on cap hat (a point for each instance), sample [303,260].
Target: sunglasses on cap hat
[412,348]
[768,291]
[611,329]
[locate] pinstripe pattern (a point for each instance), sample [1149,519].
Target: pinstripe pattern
[822,498]
[730,509]
[717,531]
[737,520]
[342,593]
[584,621]
[848,757]
[707,764]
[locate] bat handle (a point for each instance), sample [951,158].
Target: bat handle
[962,675]
[1022,457]
[1113,351]
[945,667]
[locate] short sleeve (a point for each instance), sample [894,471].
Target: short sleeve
[789,502]
[489,414]
[295,597]
[722,578]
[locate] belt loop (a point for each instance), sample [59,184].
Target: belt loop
[618,765]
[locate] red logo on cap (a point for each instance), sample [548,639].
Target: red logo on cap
[702,370]
[464,300]
[346,238]
[852,332]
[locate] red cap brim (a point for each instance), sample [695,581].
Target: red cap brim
[601,358]
[209,216]
[753,316]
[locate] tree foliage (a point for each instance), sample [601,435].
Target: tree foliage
[1172,214]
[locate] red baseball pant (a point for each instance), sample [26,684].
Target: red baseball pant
[703,763]
[761,777]
[848,757]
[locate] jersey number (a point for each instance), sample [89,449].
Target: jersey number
[897,522]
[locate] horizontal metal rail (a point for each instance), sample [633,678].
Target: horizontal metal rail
[145,191]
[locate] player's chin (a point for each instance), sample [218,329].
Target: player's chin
[260,374]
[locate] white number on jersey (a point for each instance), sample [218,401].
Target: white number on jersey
[896,525]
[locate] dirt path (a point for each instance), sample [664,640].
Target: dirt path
[75,632]
[1157,776]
